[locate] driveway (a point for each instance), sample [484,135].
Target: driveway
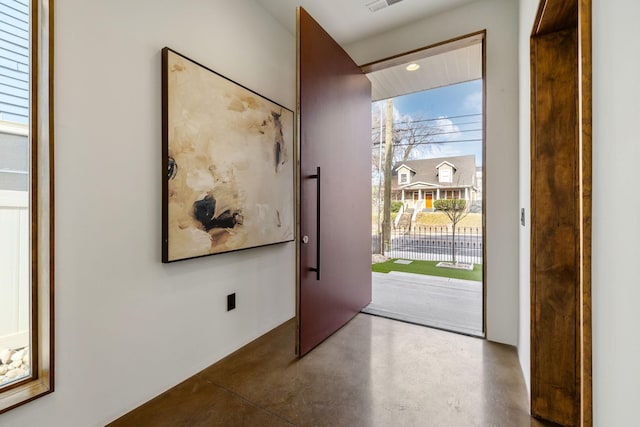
[439,302]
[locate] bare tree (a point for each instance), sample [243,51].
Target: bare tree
[376,168]
[377,143]
[456,210]
[402,140]
[410,134]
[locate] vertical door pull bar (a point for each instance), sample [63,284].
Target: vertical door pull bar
[317,267]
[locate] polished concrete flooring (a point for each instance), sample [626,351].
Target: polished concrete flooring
[439,302]
[373,372]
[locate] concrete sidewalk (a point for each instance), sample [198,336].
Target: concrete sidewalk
[440,302]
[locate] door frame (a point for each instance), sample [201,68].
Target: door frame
[554,17]
[432,50]
[435,49]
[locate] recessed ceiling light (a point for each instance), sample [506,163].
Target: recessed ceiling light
[412,67]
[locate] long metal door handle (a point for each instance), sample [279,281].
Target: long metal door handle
[317,267]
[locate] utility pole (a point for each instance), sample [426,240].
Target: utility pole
[380,242]
[388,158]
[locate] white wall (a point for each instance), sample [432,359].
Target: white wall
[500,19]
[127,326]
[616,213]
[528,10]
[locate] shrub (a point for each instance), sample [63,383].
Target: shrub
[450,204]
[395,206]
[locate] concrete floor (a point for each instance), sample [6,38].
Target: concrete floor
[373,372]
[440,302]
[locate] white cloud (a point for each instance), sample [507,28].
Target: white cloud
[473,102]
[379,108]
[447,130]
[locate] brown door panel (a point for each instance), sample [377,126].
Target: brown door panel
[335,135]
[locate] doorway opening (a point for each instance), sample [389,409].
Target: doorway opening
[427,186]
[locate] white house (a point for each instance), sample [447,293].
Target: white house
[417,183]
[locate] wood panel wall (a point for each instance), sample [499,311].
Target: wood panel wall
[561,213]
[554,209]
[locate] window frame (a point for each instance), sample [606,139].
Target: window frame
[40,382]
[445,174]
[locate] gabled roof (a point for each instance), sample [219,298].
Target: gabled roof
[401,165]
[426,171]
[419,184]
[447,163]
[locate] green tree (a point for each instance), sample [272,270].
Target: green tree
[456,210]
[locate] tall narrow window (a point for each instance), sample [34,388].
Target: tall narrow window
[26,282]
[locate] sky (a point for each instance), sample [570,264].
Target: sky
[455,112]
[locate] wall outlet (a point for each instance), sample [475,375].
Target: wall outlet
[231,301]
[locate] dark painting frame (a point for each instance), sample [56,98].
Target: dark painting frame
[227,164]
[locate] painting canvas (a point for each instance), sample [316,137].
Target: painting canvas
[228,164]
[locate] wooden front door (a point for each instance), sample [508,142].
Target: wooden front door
[334,119]
[428,201]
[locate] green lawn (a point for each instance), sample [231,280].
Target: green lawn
[429,268]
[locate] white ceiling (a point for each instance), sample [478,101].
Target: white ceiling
[351,20]
[437,69]
[348,21]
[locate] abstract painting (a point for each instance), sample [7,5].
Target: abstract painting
[227,164]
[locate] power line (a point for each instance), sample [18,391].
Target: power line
[405,129]
[440,142]
[459,124]
[434,126]
[431,142]
[426,134]
[419,136]
[438,118]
